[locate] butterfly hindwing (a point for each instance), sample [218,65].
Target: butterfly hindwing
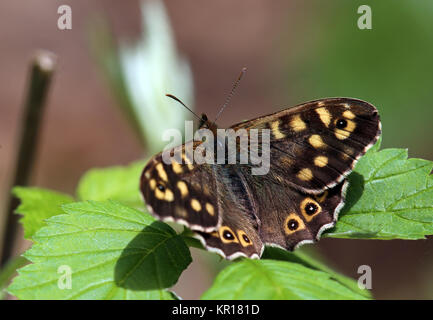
[238,234]
[235,238]
[289,217]
[305,219]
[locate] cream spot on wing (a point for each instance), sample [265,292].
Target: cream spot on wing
[305,174]
[324,115]
[161,172]
[210,209]
[147,174]
[168,195]
[187,161]
[183,188]
[316,141]
[195,205]
[275,126]
[152,184]
[159,194]
[297,124]
[177,168]
[348,114]
[321,161]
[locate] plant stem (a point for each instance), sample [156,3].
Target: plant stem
[42,68]
[103,46]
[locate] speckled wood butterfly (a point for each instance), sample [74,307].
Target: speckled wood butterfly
[313,147]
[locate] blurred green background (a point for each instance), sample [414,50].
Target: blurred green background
[118,58]
[390,65]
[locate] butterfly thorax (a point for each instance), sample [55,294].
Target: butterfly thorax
[205,123]
[220,141]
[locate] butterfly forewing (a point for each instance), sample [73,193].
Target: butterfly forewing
[182,191]
[314,146]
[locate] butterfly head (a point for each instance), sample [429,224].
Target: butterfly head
[205,123]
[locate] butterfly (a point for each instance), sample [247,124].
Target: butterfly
[313,148]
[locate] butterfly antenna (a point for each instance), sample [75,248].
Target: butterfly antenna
[178,100]
[229,97]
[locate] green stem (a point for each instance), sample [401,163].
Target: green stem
[104,49]
[40,76]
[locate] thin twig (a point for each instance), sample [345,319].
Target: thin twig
[42,68]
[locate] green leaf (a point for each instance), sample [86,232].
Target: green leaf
[37,205]
[271,279]
[300,256]
[391,197]
[113,252]
[8,271]
[114,183]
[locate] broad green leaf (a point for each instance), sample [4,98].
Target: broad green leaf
[114,183]
[112,252]
[300,256]
[278,280]
[376,146]
[37,205]
[390,197]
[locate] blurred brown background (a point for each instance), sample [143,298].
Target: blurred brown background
[281,43]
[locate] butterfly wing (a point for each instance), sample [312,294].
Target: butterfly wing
[220,209]
[273,215]
[314,146]
[289,217]
[182,191]
[238,234]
